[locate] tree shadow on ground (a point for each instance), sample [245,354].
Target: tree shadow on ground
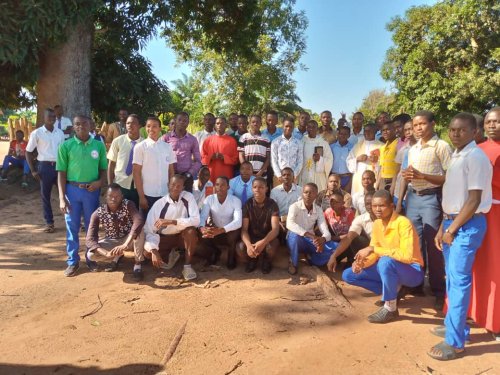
[64,369]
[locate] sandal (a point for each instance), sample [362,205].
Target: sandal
[444,352]
[49,228]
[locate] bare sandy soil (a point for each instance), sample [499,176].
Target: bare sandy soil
[247,324]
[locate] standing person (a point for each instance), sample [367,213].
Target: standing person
[256,149]
[399,185]
[271,132]
[332,186]
[358,119]
[153,166]
[340,150]
[224,210]
[202,187]
[301,130]
[327,132]
[428,160]
[233,123]
[46,140]
[81,166]
[186,150]
[121,157]
[363,156]
[466,198]
[382,118]
[260,229]
[480,136]
[388,166]
[16,157]
[318,158]
[242,127]
[117,128]
[358,199]
[485,299]
[286,151]
[241,186]
[220,152]
[285,195]
[63,123]
[399,123]
[208,130]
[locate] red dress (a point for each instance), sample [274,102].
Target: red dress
[485,297]
[222,144]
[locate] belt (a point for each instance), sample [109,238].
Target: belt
[345,174]
[429,191]
[453,216]
[47,162]
[81,185]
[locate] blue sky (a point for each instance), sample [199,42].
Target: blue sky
[346,45]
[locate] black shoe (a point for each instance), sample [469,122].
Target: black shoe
[70,271]
[138,275]
[402,293]
[111,267]
[93,267]
[231,262]
[251,265]
[383,316]
[439,303]
[214,257]
[267,266]
[417,291]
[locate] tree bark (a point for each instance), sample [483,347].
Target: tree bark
[64,76]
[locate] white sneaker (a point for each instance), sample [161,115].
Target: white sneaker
[173,257]
[189,273]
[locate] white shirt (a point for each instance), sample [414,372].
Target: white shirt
[226,215]
[202,135]
[358,202]
[63,123]
[176,211]
[469,169]
[200,195]
[287,153]
[362,223]
[300,221]
[155,158]
[46,142]
[119,152]
[284,198]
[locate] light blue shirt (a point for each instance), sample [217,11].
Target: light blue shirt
[340,154]
[297,134]
[236,186]
[271,137]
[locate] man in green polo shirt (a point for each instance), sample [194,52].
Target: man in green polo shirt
[81,166]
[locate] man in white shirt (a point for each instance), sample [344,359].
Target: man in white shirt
[172,223]
[63,123]
[226,218]
[46,139]
[285,195]
[467,196]
[302,218]
[209,124]
[286,151]
[358,133]
[153,165]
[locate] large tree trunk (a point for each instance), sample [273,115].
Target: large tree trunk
[65,74]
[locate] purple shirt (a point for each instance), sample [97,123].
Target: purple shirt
[187,151]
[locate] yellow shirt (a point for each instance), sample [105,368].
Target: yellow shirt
[388,165]
[398,240]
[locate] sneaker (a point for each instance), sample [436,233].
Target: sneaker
[383,316]
[138,274]
[111,267]
[93,267]
[173,257]
[251,265]
[71,270]
[188,273]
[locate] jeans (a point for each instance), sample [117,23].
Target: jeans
[11,160]
[385,276]
[79,200]
[459,259]
[48,178]
[297,243]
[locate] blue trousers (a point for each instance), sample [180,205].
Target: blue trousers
[459,259]
[11,160]
[48,178]
[425,214]
[385,276]
[297,244]
[80,201]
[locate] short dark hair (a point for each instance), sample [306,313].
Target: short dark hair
[114,186]
[221,117]
[312,122]
[208,114]
[178,176]
[369,194]
[479,120]
[326,111]
[57,106]
[257,116]
[19,131]
[244,117]
[371,125]
[272,113]
[259,179]
[289,119]
[369,172]
[246,162]
[311,184]
[358,113]
[154,118]
[345,128]
[182,114]
[133,115]
[233,114]
[382,193]
[225,178]
[287,169]
[465,116]
[403,118]
[427,114]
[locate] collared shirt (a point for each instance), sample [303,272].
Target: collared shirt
[236,186]
[469,169]
[46,142]
[300,220]
[62,124]
[18,148]
[271,137]
[184,211]
[81,161]
[398,240]
[287,153]
[297,134]
[323,199]
[339,224]
[201,136]
[354,138]
[401,159]
[126,220]
[362,223]
[431,158]
[113,131]
[187,152]
[284,198]
[200,195]
[155,158]
[260,218]
[255,148]
[340,154]
[119,152]
[388,165]
[358,202]
[225,215]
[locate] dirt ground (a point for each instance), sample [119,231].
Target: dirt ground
[236,323]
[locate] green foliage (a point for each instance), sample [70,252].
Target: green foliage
[378,101]
[446,57]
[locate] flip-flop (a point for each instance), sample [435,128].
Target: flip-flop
[445,352]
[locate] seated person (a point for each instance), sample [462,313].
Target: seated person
[357,238]
[16,157]
[358,198]
[260,229]
[224,212]
[202,187]
[122,224]
[172,223]
[285,195]
[241,186]
[338,218]
[303,216]
[392,260]
[333,183]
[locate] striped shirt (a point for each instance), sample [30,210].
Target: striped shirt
[255,149]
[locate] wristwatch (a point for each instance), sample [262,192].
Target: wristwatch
[450,232]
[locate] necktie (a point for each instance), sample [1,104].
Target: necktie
[59,123]
[244,194]
[128,171]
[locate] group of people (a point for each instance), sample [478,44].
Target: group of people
[390,201]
